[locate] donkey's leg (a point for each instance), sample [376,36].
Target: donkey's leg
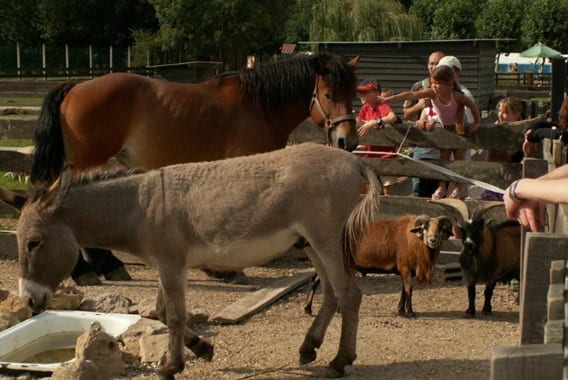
[314,336]
[173,287]
[200,347]
[349,298]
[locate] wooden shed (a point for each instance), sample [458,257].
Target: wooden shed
[398,65]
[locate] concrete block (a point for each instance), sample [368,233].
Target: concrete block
[527,362]
[555,302]
[557,271]
[554,332]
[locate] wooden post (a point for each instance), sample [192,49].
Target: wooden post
[67,60]
[91,61]
[128,59]
[110,58]
[18,61]
[44,62]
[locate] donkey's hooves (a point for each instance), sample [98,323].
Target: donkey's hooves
[87,279]
[307,357]
[203,350]
[118,274]
[334,373]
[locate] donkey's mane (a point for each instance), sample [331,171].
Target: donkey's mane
[291,81]
[90,176]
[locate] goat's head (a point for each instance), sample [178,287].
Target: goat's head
[432,231]
[471,229]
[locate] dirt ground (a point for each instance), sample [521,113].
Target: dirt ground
[439,344]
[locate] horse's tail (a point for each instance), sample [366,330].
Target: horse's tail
[49,151]
[362,215]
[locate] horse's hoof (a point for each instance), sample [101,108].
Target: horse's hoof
[237,278]
[307,357]
[87,279]
[118,274]
[334,373]
[411,315]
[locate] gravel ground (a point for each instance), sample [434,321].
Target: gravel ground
[439,344]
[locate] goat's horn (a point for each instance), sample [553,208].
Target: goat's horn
[486,206]
[458,207]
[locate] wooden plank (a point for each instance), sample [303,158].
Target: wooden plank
[250,304]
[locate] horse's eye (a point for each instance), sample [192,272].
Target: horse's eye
[328,96]
[31,245]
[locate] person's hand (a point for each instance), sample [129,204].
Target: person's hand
[527,145]
[429,125]
[473,128]
[421,124]
[424,102]
[366,127]
[530,214]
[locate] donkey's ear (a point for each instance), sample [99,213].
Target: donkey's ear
[13,199]
[353,63]
[59,189]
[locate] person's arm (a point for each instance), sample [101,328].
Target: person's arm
[410,113]
[408,95]
[467,102]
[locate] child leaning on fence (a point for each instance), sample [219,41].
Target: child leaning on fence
[448,102]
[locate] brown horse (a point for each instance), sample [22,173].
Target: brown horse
[224,215]
[151,123]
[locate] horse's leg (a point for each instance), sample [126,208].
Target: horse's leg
[200,347]
[84,272]
[310,297]
[108,265]
[173,287]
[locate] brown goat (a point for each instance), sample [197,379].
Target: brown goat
[409,245]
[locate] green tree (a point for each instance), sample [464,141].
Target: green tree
[297,26]
[19,21]
[363,20]
[546,21]
[492,24]
[455,19]
[221,29]
[424,10]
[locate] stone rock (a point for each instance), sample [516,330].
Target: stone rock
[132,336]
[67,298]
[146,308]
[153,348]
[7,320]
[107,303]
[197,318]
[80,370]
[13,304]
[102,349]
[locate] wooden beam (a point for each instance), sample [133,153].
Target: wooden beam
[250,304]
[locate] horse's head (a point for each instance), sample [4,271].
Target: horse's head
[47,249]
[332,101]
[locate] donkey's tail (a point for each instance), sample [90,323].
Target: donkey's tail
[49,151]
[362,215]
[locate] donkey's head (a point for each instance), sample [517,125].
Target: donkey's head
[47,248]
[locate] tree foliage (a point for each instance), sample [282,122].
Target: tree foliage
[492,24]
[19,21]
[363,20]
[546,21]
[455,19]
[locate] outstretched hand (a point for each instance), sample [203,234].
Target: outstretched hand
[530,214]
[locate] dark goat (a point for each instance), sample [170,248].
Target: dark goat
[491,252]
[409,245]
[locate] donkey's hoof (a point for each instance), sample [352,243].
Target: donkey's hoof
[334,373]
[203,350]
[118,274]
[87,279]
[307,357]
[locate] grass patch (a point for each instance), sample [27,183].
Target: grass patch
[17,143]
[24,101]
[10,181]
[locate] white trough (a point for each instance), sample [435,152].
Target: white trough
[45,341]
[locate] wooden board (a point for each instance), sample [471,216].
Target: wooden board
[250,304]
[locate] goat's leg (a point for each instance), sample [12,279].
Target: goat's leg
[310,297]
[200,347]
[488,293]
[406,277]
[470,312]
[173,287]
[402,302]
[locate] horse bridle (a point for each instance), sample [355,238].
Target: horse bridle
[331,124]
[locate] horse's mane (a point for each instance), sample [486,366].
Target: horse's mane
[292,81]
[87,177]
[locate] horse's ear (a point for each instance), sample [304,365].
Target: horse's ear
[12,198]
[353,63]
[60,187]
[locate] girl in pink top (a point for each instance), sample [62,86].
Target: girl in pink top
[448,102]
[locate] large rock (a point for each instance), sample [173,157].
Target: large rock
[7,320]
[132,337]
[107,303]
[67,298]
[14,305]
